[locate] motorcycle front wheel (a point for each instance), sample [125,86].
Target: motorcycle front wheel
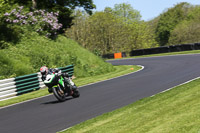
[76,93]
[59,93]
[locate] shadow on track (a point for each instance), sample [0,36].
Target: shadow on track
[56,101]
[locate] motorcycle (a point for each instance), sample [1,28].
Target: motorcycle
[56,84]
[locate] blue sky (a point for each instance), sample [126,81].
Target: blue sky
[148,8]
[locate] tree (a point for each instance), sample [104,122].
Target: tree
[4,6]
[187,31]
[126,12]
[65,7]
[105,32]
[169,20]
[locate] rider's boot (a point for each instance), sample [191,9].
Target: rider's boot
[74,87]
[67,87]
[50,90]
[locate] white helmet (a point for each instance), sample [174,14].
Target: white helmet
[44,70]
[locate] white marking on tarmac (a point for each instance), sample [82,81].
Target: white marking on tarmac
[176,86]
[78,87]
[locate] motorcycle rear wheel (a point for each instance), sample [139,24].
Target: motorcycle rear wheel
[60,95]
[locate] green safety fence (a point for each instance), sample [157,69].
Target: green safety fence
[24,84]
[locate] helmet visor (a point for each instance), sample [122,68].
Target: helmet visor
[43,72]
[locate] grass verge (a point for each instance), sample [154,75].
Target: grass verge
[177,111]
[120,70]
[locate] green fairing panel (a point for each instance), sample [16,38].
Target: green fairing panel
[61,81]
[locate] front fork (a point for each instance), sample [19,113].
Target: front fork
[67,87]
[62,83]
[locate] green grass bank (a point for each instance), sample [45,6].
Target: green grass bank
[34,51]
[174,111]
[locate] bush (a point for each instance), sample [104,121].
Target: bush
[41,21]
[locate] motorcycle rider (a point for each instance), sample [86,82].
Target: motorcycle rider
[45,71]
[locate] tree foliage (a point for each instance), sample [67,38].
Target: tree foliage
[187,31]
[42,12]
[112,30]
[126,12]
[4,6]
[45,23]
[109,31]
[64,7]
[169,20]
[18,22]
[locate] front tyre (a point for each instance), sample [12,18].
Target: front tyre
[58,93]
[76,93]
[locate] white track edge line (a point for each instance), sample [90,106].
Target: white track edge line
[108,80]
[78,87]
[116,77]
[104,80]
[24,101]
[175,86]
[153,95]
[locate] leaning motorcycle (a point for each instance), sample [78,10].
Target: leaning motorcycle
[56,84]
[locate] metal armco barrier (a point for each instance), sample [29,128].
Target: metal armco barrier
[13,87]
[166,49]
[111,56]
[69,69]
[158,50]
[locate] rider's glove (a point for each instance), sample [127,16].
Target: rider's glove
[59,74]
[65,75]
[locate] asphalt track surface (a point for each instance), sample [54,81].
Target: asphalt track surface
[46,115]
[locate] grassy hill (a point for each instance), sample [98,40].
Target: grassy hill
[34,51]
